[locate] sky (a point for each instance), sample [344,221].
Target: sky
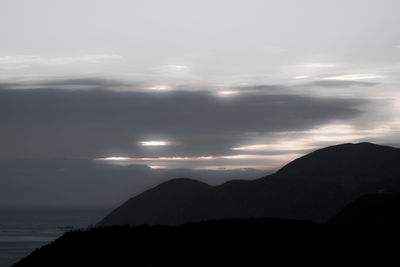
[205,85]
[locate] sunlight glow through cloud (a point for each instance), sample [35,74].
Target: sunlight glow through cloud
[302,77]
[154,143]
[354,77]
[202,158]
[177,67]
[27,60]
[115,158]
[312,139]
[226,93]
[212,162]
[286,146]
[162,87]
[277,146]
[224,167]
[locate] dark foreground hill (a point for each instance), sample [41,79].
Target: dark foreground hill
[372,212]
[244,242]
[313,187]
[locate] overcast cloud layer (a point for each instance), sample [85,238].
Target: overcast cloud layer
[98,123]
[196,84]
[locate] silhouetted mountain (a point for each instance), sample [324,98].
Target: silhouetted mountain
[348,165]
[244,242]
[315,187]
[389,185]
[374,212]
[166,199]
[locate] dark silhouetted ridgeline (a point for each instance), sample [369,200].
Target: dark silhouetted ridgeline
[372,212]
[244,242]
[314,187]
[153,228]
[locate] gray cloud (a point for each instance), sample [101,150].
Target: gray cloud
[95,123]
[340,83]
[96,82]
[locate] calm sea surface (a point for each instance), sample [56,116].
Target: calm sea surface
[24,230]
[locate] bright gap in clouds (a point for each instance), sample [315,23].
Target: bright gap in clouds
[226,162]
[316,138]
[226,93]
[161,87]
[278,146]
[114,158]
[201,158]
[154,143]
[274,154]
[354,77]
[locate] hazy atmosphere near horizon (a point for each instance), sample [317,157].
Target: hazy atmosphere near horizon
[226,87]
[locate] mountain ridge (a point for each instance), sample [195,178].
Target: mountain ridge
[315,187]
[228,242]
[372,212]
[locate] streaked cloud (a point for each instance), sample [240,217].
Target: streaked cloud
[266,125]
[99,123]
[331,134]
[229,162]
[302,77]
[338,84]
[177,67]
[318,65]
[154,143]
[354,77]
[226,93]
[24,61]
[277,146]
[161,87]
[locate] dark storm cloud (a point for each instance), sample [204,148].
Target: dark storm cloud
[96,123]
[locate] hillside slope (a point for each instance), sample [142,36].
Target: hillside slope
[373,212]
[315,187]
[239,242]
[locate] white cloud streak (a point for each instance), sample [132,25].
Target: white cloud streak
[25,61]
[353,77]
[154,143]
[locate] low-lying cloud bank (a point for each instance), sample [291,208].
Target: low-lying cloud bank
[46,123]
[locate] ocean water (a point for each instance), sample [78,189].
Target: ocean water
[24,230]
